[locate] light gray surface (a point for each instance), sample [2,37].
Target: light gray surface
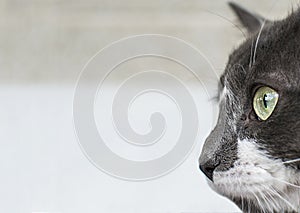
[44,45]
[52,40]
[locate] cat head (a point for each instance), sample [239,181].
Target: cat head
[250,156]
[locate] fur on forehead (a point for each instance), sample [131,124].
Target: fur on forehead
[277,53]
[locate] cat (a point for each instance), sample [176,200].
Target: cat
[252,156]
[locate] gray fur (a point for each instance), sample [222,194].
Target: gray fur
[269,57]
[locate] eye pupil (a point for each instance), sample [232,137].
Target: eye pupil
[265,101]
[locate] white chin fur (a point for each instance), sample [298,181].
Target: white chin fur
[256,177]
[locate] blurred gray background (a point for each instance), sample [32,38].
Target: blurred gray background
[51,40]
[43,47]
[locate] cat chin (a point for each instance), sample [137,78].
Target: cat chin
[257,179]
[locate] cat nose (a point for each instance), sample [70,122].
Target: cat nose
[208,167]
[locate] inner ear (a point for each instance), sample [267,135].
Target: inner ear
[251,21]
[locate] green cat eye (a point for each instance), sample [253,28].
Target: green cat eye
[264,102]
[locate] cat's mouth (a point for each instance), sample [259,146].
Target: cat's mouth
[255,187]
[245,180]
[257,179]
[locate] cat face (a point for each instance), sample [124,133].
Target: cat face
[248,157]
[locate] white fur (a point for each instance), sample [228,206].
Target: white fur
[255,176]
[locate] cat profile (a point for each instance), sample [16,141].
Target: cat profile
[252,156]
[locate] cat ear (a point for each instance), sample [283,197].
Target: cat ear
[251,21]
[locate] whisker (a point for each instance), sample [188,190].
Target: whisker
[291,161]
[282,162]
[228,20]
[287,183]
[274,202]
[242,198]
[251,54]
[257,39]
[258,201]
[248,207]
[259,34]
[264,198]
[287,202]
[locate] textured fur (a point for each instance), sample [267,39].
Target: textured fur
[247,155]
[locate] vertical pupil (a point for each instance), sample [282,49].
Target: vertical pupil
[265,101]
